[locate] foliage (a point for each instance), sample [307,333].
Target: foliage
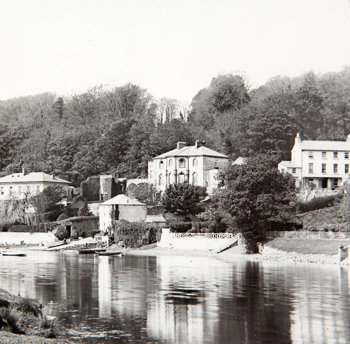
[180,227]
[61,233]
[48,200]
[84,210]
[251,194]
[183,198]
[317,203]
[134,234]
[143,192]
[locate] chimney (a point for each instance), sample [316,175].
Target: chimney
[348,139]
[181,145]
[199,144]
[23,171]
[298,138]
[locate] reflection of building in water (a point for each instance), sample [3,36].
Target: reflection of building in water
[321,320]
[104,287]
[186,307]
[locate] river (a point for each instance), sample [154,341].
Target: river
[168,299]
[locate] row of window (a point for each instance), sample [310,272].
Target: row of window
[20,190]
[182,163]
[324,168]
[336,155]
[181,178]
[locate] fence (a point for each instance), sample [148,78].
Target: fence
[307,235]
[204,235]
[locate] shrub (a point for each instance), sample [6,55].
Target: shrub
[84,210]
[180,227]
[317,203]
[61,232]
[62,217]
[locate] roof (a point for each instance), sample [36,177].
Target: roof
[32,177]
[240,161]
[292,164]
[189,151]
[325,145]
[122,200]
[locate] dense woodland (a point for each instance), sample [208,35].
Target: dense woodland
[118,130]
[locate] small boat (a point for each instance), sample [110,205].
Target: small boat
[110,253]
[91,250]
[13,254]
[56,244]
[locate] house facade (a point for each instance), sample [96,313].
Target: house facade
[21,185]
[197,165]
[121,207]
[323,163]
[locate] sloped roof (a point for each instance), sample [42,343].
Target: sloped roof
[240,161]
[325,145]
[32,177]
[189,151]
[155,218]
[286,163]
[122,200]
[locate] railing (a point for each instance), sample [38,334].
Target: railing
[308,234]
[204,235]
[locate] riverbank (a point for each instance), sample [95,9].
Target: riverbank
[322,251]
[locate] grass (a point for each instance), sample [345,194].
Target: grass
[308,246]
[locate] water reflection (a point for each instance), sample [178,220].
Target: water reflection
[186,300]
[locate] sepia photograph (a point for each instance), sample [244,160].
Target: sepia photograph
[175,171]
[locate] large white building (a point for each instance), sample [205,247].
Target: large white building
[323,163]
[20,185]
[197,165]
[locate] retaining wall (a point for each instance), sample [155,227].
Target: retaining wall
[26,238]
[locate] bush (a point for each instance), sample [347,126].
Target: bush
[62,217]
[317,203]
[180,227]
[61,232]
[135,234]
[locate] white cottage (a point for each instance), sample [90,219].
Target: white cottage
[121,207]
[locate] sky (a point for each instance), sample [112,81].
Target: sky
[171,48]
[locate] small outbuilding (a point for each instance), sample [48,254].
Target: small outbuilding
[121,207]
[156,219]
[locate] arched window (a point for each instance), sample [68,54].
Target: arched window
[161,180]
[182,163]
[195,178]
[151,174]
[161,164]
[170,162]
[195,162]
[181,177]
[171,179]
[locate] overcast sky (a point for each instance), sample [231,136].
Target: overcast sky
[172,48]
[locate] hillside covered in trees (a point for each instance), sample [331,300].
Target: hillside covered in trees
[118,130]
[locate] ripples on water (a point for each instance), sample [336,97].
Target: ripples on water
[182,300]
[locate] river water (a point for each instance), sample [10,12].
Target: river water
[168,299]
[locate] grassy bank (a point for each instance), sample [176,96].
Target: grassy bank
[22,321]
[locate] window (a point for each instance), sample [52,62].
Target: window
[335,168]
[161,164]
[20,189]
[161,180]
[195,162]
[170,162]
[346,168]
[28,189]
[10,190]
[294,170]
[171,179]
[346,155]
[182,163]
[181,178]
[38,189]
[311,167]
[335,155]
[2,190]
[324,155]
[195,178]
[324,168]
[311,155]
[151,174]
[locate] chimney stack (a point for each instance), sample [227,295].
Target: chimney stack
[298,138]
[181,145]
[23,171]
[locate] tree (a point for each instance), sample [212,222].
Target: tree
[253,193]
[49,200]
[144,192]
[183,198]
[84,210]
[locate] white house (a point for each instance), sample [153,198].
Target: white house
[324,163]
[19,185]
[121,207]
[197,165]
